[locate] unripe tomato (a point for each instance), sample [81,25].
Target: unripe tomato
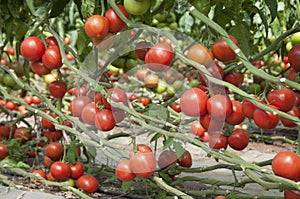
[200,54]
[116,23]
[96,26]
[137,7]
[32,48]
[222,51]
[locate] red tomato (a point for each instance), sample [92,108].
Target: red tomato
[200,54]
[32,48]
[210,124]
[205,137]
[141,74]
[283,98]
[291,194]
[60,170]
[88,113]
[116,23]
[117,95]
[248,108]
[5,131]
[265,119]
[28,100]
[88,183]
[104,120]
[123,171]
[185,160]
[36,100]
[239,139]
[294,112]
[217,141]
[286,164]
[46,124]
[3,151]
[96,26]
[47,161]
[50,177]
[197,129]
[141,49]
[222,51]
[77,104]
[58,89]
[219,107]
[294,57]
[119,115]
[23,133]
[237,115]
[101,101]
[220,197]
[52,58]
[10,105]
[53,135]
[142,148]
[235,78]
[51,41]
[133,97]
[144,100]
[54,150]
[77,170]
[39,68]
[176,107]
[216,71]
[151,80]
[39,172]
[166,158]
[78,91]
[193,102]
[159,57]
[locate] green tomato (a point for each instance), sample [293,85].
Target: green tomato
[16,87]
[17,67]
[194,83]
[67,183]
[8,80]
[1,75]
[288,46]
[170,91]
[137,7]
[113,69]
[130,66]
[161,87]
[177,85]
[254,88]
[119,62]
[174,26]
[160,17]
[171,17]
[295,39]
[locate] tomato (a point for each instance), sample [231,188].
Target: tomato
[77,170]
[291,194]
[210,124]
[294,112]
[40,173]
[96,26]
[51,41]
[78,91]
[142,148]
[137,7]
[133,97]
[151,80]
[39,68]
[176,107]
[123,171]
[119,115]
[185,160]
[170,76]
[101,101]
[159,57]
[47,161]
[141,49]
[143,162]
[53,135]
[141,74]
[286,164]
[220,197]
[283,98]
[144,100]
[222,51]
[54,150]
[239,139]
[104,120]
[32,48]
[217,141]
[60,170]
[46,124]
[50,177]
[87,183]
[23,133]
[265,119]
[58,89]
[36,100]
[248,108]
[205,137]
[8,80]
[235,78]
[294,57]
[28,100]
[116,23]
[5,131]
[200,54]
[77,104]
[197,129]
[117,95]
[166,158]
[193,102]
[3,151]
[17,67]
[88,113]
[52,58]
[219,107]
[237,115]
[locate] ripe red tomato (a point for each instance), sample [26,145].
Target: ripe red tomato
[235,78]
[5,131]
[200,54]
[123,171]
[23,133]
[39,172]
[286,164]
[144,100]
[159,57]
[294,57]
[77,170]
[219,107]
[115,22]
[217,141]
[283,98]
[36,100]
[193,102]
[32,48]
[248,108]
[141,74]
[133,97]
[47,161]
[291,194]
[237,115]
[50,177]
[176,107]
[53,135]
[220,197]
[88,113]
[141,49]
[239,139]
[88,183]
[39,68]
[58,89]
[104,120]
[117,95]
[28,100]
[185,160]
[101,101]
[197,129]
[119,115]
[205,137]
[96,26]
[78,91]
[51,41]
[222,51]
[77,104]
[294,112]
[265,119]
[3,151]
[10,105]
[60,170]
[54,150]
[210,124]
[143,162]
[52,58]
[166,158]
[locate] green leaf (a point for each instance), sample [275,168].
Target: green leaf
[167,143]
[126,186]
[241,32]
[179,150]
[264,20]
[155,137]
[87,8]
[272,5]
[158,112]
[186,22]
[21,30]
[58,7]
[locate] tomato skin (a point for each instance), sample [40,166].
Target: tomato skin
[52,58]
[144,100]
[78,91]
[123,171]
[58,89]
[32,48]
[248,108]
[10,105]
[96,26]
[39,68]
[166,158]
[294,57]
[88,113]
[3,151]
[237,115]
[141,49]
[219,107]
[185,160]
[133,97]
[116,23]
[200,54]
[141,74]
[23,134]
[60,170]
[265,119]
[54,150]
[239,139]
[159,57]
[53,135]
[46,124]
[137,7]
[294,112]
[286,164]
[210,124]
[176,107]
[51,41]
[193,102]
[117,95]
[5,131]
[87,183]
[197,129]
[217,141]
[283,98]
[77,170]
[222,51]
[36,100]
[291,194]
[104,120]
[235,78]
[77,104]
